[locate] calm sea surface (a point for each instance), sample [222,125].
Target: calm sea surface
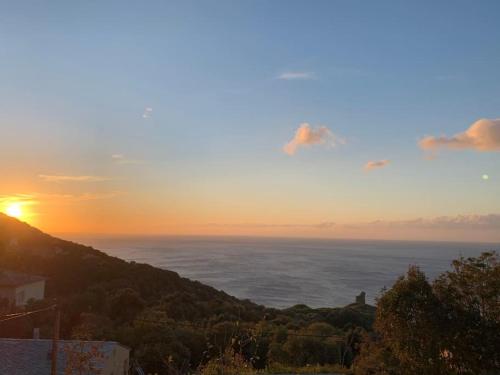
[285,272]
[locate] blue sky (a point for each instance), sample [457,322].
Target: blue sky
[76,79]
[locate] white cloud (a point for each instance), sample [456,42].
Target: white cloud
[289,76]
[458,222]
[47,197]
[305,135]
[375,164]
[444,222]
[122,159]
[483,135]
[94,196]
[24,199]
[37,198]
[322,225]
[66,178]
[148,111]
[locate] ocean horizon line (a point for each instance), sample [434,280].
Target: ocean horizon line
[71,236]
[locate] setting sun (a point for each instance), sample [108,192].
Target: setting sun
[14,210]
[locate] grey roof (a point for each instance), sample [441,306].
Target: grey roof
[11,278]
[34,357]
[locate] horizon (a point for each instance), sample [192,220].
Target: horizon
[76,236]
[111,236]
[330,120]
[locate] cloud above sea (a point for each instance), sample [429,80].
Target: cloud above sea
[307,136]
[483,135]
[294,76]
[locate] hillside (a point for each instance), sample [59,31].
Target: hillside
[72,268]
[144,307]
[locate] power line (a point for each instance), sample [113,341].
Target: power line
[14,314]
[27,313]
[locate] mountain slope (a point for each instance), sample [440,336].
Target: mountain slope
[73,269]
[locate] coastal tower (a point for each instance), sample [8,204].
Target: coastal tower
[360,300]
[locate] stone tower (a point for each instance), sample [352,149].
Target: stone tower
[360,300]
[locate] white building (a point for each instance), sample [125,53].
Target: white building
[34,357]
[18,288]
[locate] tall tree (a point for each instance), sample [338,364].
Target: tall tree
[408,319]
[449,327]
[470,297]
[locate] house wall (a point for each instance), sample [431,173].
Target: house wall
[118,362]
[7,292]
[24,293]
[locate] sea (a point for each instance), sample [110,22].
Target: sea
[281,272]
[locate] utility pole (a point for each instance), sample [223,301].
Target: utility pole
[55,339]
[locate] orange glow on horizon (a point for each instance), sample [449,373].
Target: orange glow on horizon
[156,214]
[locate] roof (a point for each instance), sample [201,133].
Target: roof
[12,279]
[34,357]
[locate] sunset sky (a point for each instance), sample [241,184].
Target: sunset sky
[373,119]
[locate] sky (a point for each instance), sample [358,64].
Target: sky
[349,119]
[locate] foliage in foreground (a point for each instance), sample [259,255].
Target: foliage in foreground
[449,326]
[229,363]
[278,368]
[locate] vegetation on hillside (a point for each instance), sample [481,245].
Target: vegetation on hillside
[173,325]
[450,326]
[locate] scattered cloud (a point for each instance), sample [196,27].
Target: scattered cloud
[483,135]
[36,198]
[308,136]
[118,157]
[66,178]
[122,159]
[466,227]
[376,164]
[148,111]
[322,225]
[489,221]
[290,76]
[24,199]
[93,196]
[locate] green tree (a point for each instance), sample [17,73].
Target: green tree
[449,327]
[125,304]
[228,363]
[376,358]
[408,319]
[470,297]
